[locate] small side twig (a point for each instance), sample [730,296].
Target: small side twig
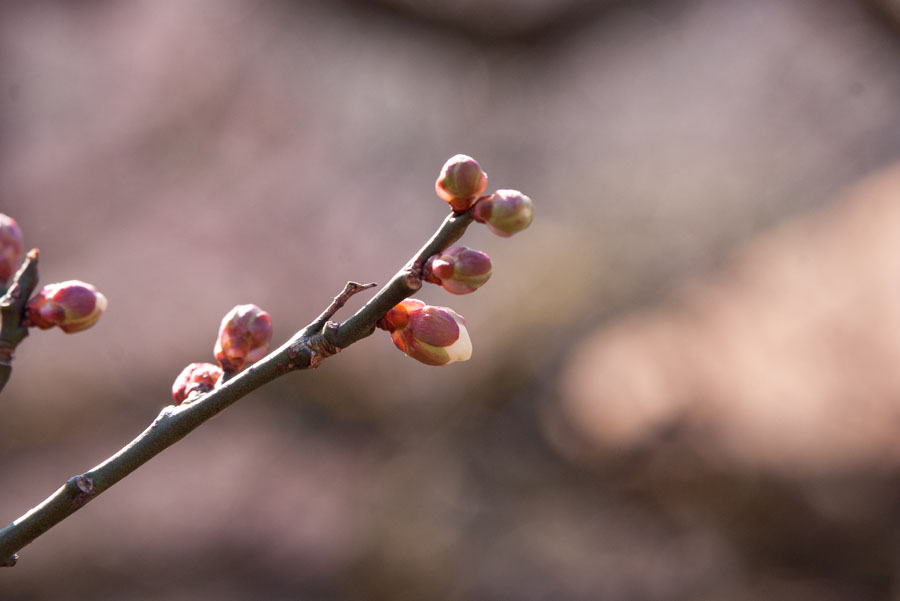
[306,349]
[12,312]
[339,301]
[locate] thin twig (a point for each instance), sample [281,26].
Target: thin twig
[309,347]
[339,301]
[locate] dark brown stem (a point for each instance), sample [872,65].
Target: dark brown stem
[306,349]
[12,312]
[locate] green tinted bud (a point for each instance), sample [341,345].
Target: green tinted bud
[461,181]
[505,212]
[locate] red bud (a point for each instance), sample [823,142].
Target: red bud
[243,337]
[12,247]
[458,270]
[194,380]
[71,305]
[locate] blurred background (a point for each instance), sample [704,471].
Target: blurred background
[685,382]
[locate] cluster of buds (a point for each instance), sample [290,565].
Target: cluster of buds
[72,306]
[462,182]
[432,335]
[437,335]
[244,336]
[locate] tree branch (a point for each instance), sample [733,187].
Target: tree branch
[306,349]
[12,312]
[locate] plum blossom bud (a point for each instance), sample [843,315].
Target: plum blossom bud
[243,337]
[194,380]
[459,270]
[505,212]
[432,335]
[71,305]
[461,181]
[12,247]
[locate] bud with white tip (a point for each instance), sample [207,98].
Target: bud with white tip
[431,335]
[71,305]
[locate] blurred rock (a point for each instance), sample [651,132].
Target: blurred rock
[783,361]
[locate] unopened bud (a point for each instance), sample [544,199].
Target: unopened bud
[12,247]
[72,305]
[194,380]
[461,181]
[243,337]
[459,270]
[505,212]
[432,335]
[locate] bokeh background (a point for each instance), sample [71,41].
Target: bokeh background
[685,383]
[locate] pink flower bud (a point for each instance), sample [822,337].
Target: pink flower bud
[460,182]
[432,335]
[72,305]
[243,337]
[12,247]
[458,270]
[194,380]
[505,212]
